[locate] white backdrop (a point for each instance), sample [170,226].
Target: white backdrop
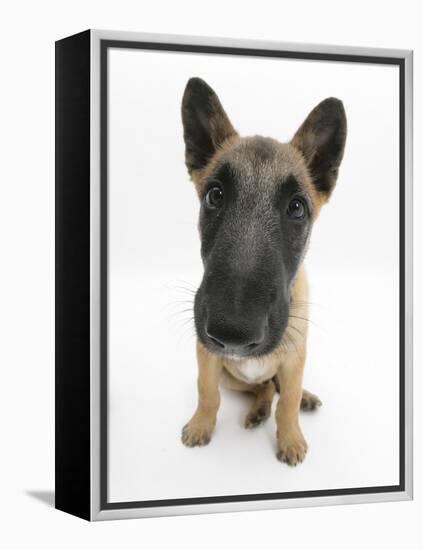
[27,275]
[154,256]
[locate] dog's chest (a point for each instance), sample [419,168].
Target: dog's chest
[252,371]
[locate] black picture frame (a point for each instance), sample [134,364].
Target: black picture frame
[75,90]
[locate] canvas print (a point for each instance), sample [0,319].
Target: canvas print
[218,187]
[248,213]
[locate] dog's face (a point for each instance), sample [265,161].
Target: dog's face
[259,199]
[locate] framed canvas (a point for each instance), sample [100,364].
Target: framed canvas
[233,275]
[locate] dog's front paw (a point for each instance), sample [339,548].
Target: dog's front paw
[292,449]
[257,415]
[196,433]
[309,401]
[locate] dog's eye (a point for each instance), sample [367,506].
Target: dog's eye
[296,209]
[214,197]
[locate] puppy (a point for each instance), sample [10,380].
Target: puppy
[259,199]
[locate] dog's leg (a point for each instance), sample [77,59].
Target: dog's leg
[262,405]
[309,401]
[292,446]
[199,429]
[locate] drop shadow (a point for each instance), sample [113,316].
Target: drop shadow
[46,497]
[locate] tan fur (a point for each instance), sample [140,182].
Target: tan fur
[286,362]
[263,397]
[283,368]
[199,429]
[292,158]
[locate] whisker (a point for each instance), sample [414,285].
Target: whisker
[304,319]
[292,341]
[282,348]
[299,317]
[296,329]
[187,321]
[184,286]
[188,290]
[187,333]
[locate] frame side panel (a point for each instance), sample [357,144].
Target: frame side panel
[72,203]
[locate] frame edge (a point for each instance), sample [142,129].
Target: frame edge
[408,313]
[72,269]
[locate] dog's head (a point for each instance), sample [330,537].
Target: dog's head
[259,199]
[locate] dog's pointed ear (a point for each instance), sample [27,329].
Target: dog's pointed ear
[321,140]
[206,125]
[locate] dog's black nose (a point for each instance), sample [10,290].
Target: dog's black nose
[236,339]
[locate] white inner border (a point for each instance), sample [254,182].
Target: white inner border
[96,513]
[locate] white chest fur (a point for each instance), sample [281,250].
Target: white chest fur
[253,371]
